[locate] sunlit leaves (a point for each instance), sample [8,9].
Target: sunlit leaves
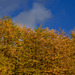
[24,51]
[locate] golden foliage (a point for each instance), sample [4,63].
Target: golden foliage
[24,51]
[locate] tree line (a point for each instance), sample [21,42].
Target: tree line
[24,51]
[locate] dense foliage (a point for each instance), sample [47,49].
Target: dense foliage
[24,51]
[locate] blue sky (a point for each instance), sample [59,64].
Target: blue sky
[49,13]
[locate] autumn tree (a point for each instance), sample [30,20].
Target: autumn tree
[24,51]
[73,51]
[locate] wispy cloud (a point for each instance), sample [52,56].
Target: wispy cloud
[37,14]
[9,6]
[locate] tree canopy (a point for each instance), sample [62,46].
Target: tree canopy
[24,51]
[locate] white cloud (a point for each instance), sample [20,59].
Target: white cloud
[37,14]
